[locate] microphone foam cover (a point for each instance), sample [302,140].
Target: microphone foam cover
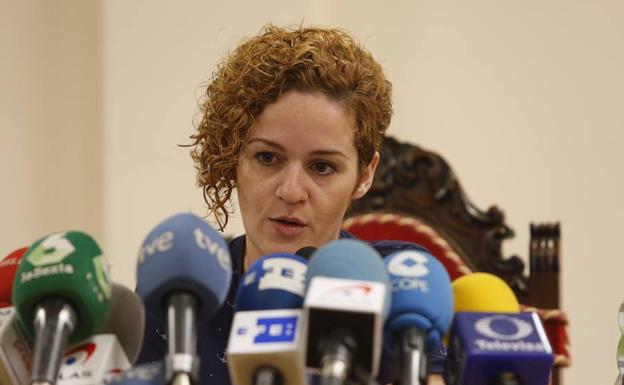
[349,259]
[421,295]
[484,292]
[126,320]
[184,254]
[8,267]
[67,265]
[274,281]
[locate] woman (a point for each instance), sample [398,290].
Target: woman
[292,119]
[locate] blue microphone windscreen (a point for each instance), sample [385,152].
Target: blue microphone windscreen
[274,281]
[184,253]
[422,295]
[349,259]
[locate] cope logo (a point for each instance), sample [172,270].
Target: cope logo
[410,263]
[408,270]
[79,355]
[502,327]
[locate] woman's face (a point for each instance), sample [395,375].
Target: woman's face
[298,173]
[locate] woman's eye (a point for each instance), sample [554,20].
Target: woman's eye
[266,157]
[323,168]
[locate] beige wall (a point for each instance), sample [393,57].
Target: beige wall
[524,99]
[50,119]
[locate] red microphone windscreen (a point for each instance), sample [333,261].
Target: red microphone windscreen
[8,267]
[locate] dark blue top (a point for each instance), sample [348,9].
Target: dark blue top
[212,335]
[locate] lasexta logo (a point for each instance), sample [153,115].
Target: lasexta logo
[52,249]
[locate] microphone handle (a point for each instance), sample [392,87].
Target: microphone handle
[268,375]
[182,324]
[337,357]
[55,321]
[413,358]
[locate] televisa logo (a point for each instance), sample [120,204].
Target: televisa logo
[506,334]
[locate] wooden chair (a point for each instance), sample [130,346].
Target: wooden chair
[417,197]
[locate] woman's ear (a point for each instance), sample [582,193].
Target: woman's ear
[366,177]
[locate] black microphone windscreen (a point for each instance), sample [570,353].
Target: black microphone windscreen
[306,251]
[126,320]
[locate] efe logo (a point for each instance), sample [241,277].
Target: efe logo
[276,329]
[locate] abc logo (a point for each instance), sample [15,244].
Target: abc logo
[409,264]
[502,327]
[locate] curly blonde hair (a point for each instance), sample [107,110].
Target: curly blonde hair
[261,69]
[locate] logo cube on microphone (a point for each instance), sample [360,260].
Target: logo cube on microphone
[485,346]
[259,337]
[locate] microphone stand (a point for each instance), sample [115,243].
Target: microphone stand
[54,322]
[182,363]
[413,358]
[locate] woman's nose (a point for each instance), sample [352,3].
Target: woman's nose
[291,187]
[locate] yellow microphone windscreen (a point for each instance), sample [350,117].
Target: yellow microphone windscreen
[484,292]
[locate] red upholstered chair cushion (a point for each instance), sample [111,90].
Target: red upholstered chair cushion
[379,226]
[371,227]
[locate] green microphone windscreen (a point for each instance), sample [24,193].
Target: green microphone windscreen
[67,265]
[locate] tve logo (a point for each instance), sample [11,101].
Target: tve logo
[276,329]
[160,244]
[212,246]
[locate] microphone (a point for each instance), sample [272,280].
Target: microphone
[347,301]
[8,267]
[265,347]
[490,342]
[421,313]
[113,349]
[183,276]
[306,252]
[60,295]
[15,353]
[148,373]
[126,320]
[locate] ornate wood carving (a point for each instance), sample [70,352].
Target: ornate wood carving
[413,181]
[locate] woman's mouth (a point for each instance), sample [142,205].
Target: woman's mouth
[288,226]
